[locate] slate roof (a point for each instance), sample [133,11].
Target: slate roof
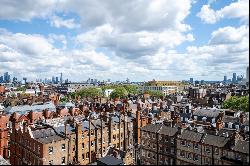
[231,119]
[213,113]
[242,146]
[215,140]
[23,109]
[110,160]
[170,131]
[191,135]
[152,128]
[224,132]
[46,136]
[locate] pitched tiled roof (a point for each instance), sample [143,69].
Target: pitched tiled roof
[242,146]
[23,109]
[47,135]
[215,140]
[191,135]
[211,112]
[231,119]
[170,131]
[151,128]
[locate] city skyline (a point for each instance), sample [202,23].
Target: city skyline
[162,40]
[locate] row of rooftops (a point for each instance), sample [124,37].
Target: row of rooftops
[54,129]
[194,136]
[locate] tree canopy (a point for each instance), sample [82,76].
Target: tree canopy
[89,92]
[131,89]
[238,103]
[119,92]
[154,93]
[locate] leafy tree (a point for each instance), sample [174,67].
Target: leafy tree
[154,93]
[64,99]
[131,89]
[238,103]
[89,92]
[119,92]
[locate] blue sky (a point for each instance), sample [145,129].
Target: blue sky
[162,40]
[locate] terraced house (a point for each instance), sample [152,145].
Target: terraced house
[71,140]
[158,145]
[162,145]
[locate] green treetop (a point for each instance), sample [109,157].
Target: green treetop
[238,103]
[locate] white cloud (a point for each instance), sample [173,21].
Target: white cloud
[229,35]
[208,15]
[143,15]
[58,22]
[120,39]
[134,44]
[239,9]
[25,10]
[227,51]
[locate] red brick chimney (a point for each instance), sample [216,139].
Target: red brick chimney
[31,116]
[219,124]
[46,114]
[242,118]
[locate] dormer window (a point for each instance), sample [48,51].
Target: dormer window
[204,119]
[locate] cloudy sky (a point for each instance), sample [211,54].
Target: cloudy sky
[136,39]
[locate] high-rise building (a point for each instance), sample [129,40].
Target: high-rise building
[6,77]
[53,80]
[14,79]
[1,79]
[191,80]
[61,78]
[197,82]
[234,78]
[57,80]
[225,79]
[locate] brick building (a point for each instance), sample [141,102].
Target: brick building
[161,145]
[158,145]
[4,136]
[79,140]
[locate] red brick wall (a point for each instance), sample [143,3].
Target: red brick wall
[4,136]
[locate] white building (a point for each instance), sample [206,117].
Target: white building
[163,89]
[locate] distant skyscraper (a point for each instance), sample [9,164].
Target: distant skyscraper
[1,79]
[14,79]
[202,82]
[6,77]
[239,78]
[57,80]
[225,79]
[234,78]
[61,78]
[191,80]
[197,82]
[53,80]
